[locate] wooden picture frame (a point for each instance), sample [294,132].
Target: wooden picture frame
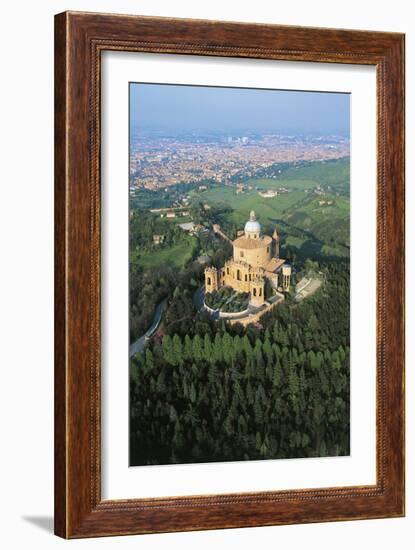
[79,40]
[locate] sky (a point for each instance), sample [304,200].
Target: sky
[174,110]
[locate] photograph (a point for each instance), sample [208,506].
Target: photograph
[239,274]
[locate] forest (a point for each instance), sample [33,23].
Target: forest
[205,391]
[174,275]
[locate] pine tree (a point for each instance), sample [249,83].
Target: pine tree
[177,350]
[258,441]
[249,393]
[187,348]
[227,346]
[217,348]
[172,414]
[259,360]
[161,382]
[267,348]
[212,373]
[168,352]
[247,347]
[178,440]
[192,393]
[197,349]
[258,405]
[238,348]
[276,332]
[207,348]
[276,374]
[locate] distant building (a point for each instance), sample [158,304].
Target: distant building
[158,239]
[190,226]
[268,194]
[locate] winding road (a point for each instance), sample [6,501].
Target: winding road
[138,345]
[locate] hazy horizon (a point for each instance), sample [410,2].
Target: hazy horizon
[170,109]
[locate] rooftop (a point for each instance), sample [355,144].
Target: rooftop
[274,264]
[244,242]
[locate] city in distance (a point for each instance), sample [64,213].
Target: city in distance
[239,274]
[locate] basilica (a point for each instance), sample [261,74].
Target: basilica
[255,260]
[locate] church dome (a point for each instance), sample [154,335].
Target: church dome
[252,225]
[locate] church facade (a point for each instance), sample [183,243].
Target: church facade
[255,260]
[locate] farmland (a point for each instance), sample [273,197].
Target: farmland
[176,255]
[312,210]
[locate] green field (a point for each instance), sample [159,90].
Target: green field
[178,220]
[175,256]
[295,208]
[335,173]
[328,223]
[291,240]
[310,224]
[266,209]
[271,183]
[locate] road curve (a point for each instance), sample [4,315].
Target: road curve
[139,344]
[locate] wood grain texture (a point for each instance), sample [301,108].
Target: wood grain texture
[60,277]
[79,40]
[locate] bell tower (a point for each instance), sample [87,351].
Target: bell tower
[276,243]
[257,288]
[211,279]
[286,277]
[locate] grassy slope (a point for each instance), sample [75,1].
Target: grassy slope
[334,173]
[242,204]
[298,214]
[308,226]
[176,256]
[271,183]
